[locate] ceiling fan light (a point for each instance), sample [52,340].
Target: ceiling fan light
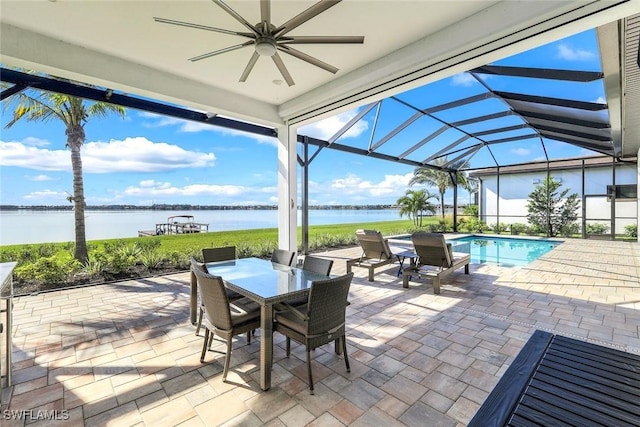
[265,47]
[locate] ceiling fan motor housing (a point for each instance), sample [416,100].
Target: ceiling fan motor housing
[265,45]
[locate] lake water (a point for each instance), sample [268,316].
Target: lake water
[25,226]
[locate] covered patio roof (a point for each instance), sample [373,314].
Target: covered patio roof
[120,46]
[143,49]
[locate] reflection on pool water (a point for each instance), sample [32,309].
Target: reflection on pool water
[503,251]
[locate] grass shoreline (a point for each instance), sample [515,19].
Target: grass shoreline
[232,237]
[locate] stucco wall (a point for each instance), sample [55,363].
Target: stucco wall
[515,189]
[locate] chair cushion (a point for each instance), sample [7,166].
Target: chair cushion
[233,295]
[242,313]
[292,321]
[298,301]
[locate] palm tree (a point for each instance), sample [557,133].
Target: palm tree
[414,203]
[74,113]
[439,178]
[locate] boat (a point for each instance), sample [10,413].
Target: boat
[177,224]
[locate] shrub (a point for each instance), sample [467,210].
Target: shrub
[474,226]
[631,230]
[499,228]
[471,210]
[9,255]
[151,259]
[264,249]
[45,250]
[123,258]
[50,270]
[93,267]
[535,230]
[517,228]
[150,244]
[244,250]
[181,260]
[597,228]
[113,245]
[569,230]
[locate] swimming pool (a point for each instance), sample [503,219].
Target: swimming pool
[502,251]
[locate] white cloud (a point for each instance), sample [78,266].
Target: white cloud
[38,178]
[46,194]
[520,151]
[463,79]
[21,155]
[568,53]
[353,185]
[35,142]
[326,128]
[130,155]
[188,126]
[154,192]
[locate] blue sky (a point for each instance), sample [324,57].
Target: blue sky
[145,158]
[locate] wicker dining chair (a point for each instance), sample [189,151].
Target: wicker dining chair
[222,317]
[319,322]
[283,257]
[232,295]
[223,253]
[317,265]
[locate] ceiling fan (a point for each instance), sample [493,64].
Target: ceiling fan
[267,39]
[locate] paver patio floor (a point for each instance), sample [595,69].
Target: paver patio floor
[125,354]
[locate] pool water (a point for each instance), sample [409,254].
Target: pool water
[502,251]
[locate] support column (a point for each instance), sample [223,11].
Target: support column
[638,200]
[305,196]
[287,188]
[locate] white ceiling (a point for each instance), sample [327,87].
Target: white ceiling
[117,44]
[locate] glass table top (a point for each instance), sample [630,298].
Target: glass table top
[264,278]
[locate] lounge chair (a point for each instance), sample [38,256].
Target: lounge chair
[375,252]
[435,259]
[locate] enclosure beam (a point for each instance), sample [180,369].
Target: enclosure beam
[613,198]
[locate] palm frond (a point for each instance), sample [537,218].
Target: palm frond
[103,109]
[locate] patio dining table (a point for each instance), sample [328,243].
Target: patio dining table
[266,283]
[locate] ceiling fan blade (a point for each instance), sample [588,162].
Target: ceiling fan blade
[236,15]
[249,67]
[219,51]
[202,27]
[304,16]
[321,39]
[265,13]
[307,58]
[283,70]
